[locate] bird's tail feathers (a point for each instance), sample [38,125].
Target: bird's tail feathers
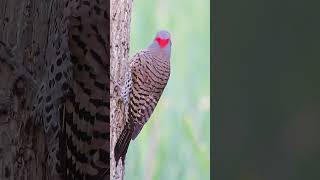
[123,141]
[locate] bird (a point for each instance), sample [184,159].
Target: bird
[145,81]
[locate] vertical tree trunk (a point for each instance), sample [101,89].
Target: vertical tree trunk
[120,34]
[25,32]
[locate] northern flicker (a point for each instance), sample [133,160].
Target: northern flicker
[73,100]
[148,74]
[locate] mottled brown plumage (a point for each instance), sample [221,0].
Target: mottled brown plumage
[148,76]
[73,102]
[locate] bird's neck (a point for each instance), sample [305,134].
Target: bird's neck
[162,53]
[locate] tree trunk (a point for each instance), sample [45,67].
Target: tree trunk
[120,34]
[25,32]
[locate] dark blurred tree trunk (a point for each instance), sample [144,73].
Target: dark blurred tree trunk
[119,49]
[25,31]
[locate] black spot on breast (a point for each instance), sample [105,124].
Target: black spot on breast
[48,98]
[65,74]
[48,119]
[64,86]
[64,56]
[48,108]
[40,99]
[52,68]
[59,61]
[50,84]
[58,76]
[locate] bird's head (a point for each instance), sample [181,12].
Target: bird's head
[161,45]
[163,39]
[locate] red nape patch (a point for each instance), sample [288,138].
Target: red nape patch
[162,42]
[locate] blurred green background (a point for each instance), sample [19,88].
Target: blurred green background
[267,90]
[175,142]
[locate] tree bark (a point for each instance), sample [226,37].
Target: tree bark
[120,34]
[25,32]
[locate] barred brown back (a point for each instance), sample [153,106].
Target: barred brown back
[150,75]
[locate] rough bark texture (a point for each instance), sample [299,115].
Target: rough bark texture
[120,30]
[25,28]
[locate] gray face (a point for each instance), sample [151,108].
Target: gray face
[163,34]
[161,44]
[162,40]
